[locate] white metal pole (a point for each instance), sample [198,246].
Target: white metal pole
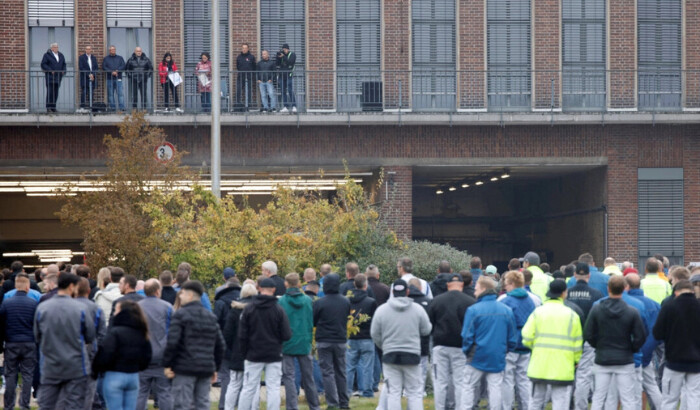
[215,102]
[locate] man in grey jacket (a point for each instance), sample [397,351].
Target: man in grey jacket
[62,331]
[158,313]
[96,318]
[397,327]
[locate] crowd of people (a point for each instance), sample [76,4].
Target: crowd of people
[524,337]
[268,73]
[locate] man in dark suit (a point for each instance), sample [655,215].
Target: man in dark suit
[54,66]
[87,64]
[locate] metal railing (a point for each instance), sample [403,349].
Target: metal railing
[366,90]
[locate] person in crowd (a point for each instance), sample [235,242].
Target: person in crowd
[139,67]
[517,361]
[51,286]
[94,317]
[492,272]
[446,313]
[695,280]
[396,329]
[39,274]
[404,267]
[140,284]
[610,267]
[62,336]
[616,331]
[654,287]
[269,270]
[84,272]
[678,326]
[203,72]
[32,293]
[101,282]
[597,280]
[184,271]
[113,65]
[16,268]
[539,284]
[286,60]
[360,355]
[488,334]
[53,64]
[225,295]
[324,271]
[299,311]
[309,275]
[16,323]
[380,290]
[311,289]
[245,65]
[475,268]
[127,287]
[330,315]
[158,314]
[584,297]
[229,275]
[233,349]
[352,270]
[166,69]
[167,293]
[267,73]
[262,330]
[194,350]
[468,289]
[439,285]
[553,332]
[123,353]
[106,297]
[87,65]
[415,294]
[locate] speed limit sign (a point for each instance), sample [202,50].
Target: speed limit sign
[165,152]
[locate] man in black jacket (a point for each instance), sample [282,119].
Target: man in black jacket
[195,349]
[446,313]
[245,65]
[267,74]
[53,64]
[616,331]
[269,270]
[360,355]
[678,325]
[414,293]
[167,292]
[286,60]
[16,267]
[87,64]
[330,318]
[352,270]
[231,291]
[263,328]
[140,68]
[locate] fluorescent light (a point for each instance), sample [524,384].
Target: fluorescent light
[452,188]
[494,179]
[439,192]
[465,185]
[478,183]
[506,175]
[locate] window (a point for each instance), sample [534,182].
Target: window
[660,213]
[434,54]
[508,48]
[129,25]
[283,21]
[358,54]
[659,51]
[51,21]
[583,53]
[198,40]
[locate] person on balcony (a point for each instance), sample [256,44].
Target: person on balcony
[203,71]
[245,65]
[140,68]
[267,72]
[286,59]
[53,64]
[87,64]
[167,69]
[114,66]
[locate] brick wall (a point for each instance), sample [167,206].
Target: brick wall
[320,60]
[622,54]
[692,52]
[13,46]
[471,35]
[396,52]
[691,191]
[547,45]
[90,31]
[167,34]
[397,211]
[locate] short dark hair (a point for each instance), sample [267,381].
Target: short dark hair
[83,271]
[545,267]
[115,274]
[292,279]
[569,270]
[66,279]
[406,264]
[683,285]
[205,54]
[475,263]
[166,278]
[131,281]
[193,285]
[151,288]
[444,267]
[527,275]
[466,277]
[557,274]
[514,264]
[352,269]
[652,265]
[83,287]
[360,281]
[616,285]
[16,266]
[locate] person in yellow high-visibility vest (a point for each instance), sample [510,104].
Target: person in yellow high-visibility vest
[553,332]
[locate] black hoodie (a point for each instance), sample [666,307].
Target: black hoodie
[616,331]
[446,313]
[222,303]
[419,298]
[361,303]
[331,313]
[124,348]
[678,325]
[263,328]
[233,347]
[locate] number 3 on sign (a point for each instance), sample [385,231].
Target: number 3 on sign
[165,152]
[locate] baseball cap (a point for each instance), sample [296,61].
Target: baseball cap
[491,270]
[695,278]
[556,288]
[285,45]
[229,272]
[582,269]
[399,287]
[267,283]
[455,277]
[630,270]
[531,257]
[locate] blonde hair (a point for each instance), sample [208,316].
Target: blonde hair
[248,290]
[102,276]
[515,278]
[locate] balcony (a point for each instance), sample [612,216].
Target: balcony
[425,96]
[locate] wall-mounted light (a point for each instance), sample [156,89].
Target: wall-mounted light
[465,185]
[439,192]
[494,179]
[452,188]
[479,183]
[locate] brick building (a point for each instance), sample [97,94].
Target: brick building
[589,107]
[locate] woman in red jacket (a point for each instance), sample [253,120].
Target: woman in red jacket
[167,70]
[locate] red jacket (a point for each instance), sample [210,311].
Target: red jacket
[163,71]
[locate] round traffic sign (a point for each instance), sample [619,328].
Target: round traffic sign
[165,152]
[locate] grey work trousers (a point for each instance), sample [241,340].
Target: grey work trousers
[251,384]
[64,395]
[472,383]
[625,381]
[650,387]
[398,378]
[190,392]
[233,392]
[19,358]
[153,379]
[561,396]
[584,377]
[307,382]
[224,375]
[331,359]
[514,376]
[672,384]
[449,364]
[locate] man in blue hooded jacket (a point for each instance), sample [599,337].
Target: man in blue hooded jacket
[488,334]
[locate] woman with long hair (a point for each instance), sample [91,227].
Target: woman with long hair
[203,71]
[166,68]
[124,351]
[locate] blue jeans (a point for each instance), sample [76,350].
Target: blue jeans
[360,361]
[120,390]
[206,101]
[287,86]
[112,86]
[377,373]
[318,377]
[268,89]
